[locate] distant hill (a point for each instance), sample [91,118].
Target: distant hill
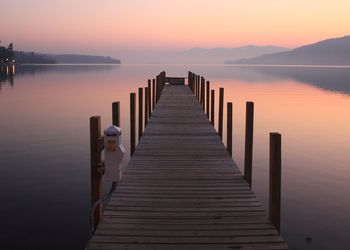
[32,58]
[334,51]
[38,58]
[219,55]
[72,58]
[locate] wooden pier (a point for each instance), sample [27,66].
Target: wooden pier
[182,189]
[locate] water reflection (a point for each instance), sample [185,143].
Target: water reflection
[333,79]
[62,68]
[44,146]
[7,74]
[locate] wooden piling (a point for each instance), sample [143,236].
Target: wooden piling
[190,82]
[132,122]
[157,88]
[207,98]
[212,108]
[153,94]
[203,93]
[140,112]
[149,97]
[248,154]
[221,111]
[229,127]
[198,87]
[116,114]
[146,105]
[275,180]
[96,170]
[195,85]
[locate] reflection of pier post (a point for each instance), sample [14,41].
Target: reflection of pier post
[11,74]
[7,73]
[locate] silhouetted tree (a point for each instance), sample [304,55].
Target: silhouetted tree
[7,54]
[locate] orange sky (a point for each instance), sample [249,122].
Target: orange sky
[109,26]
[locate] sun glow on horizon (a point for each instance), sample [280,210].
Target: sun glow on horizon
[65,26]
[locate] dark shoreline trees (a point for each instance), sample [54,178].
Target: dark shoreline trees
[7,55]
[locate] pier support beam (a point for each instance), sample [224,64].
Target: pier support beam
[146,106]
[212,108]
[221,111]
[140,112]
[229,127]
[116,114]
[275,180]
[96,170]
[207,98]
[132,122]
[153,94]
[248,154]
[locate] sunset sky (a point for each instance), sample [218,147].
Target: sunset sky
[111,27]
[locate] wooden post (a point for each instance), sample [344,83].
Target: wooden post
[200,90]
[132,122]
[153,94]
[157,88]
[275,180]
[203,93]
[248,154]
[229,127]
[221,110]
[140,112]
[96,173]
[198,87]
[189,81]
[195,85]
[116,114]
[149,99]
[146,105]
[212,108]
[158,84]
[208,91]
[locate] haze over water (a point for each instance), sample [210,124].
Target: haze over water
[44,146]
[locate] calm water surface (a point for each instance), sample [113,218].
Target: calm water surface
[44,145]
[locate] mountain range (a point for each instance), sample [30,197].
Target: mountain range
[219,55]
[335,51]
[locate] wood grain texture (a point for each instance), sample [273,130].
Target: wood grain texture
[182,190]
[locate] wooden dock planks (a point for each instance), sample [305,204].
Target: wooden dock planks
[182,190]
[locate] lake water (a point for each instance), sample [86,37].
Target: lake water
[44,145]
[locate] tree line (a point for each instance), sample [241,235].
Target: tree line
[7,55]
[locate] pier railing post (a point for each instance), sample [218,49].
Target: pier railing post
[132,122]
[140,112]
[149,98]
[198,87]
[207,99]
[275,180]
[229,127]
[146,105]
[153,94]
[195,85]
[157,88]
[96,171]
[116,114]
[203,93]
[221,110]
[212,108]
[248,152]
